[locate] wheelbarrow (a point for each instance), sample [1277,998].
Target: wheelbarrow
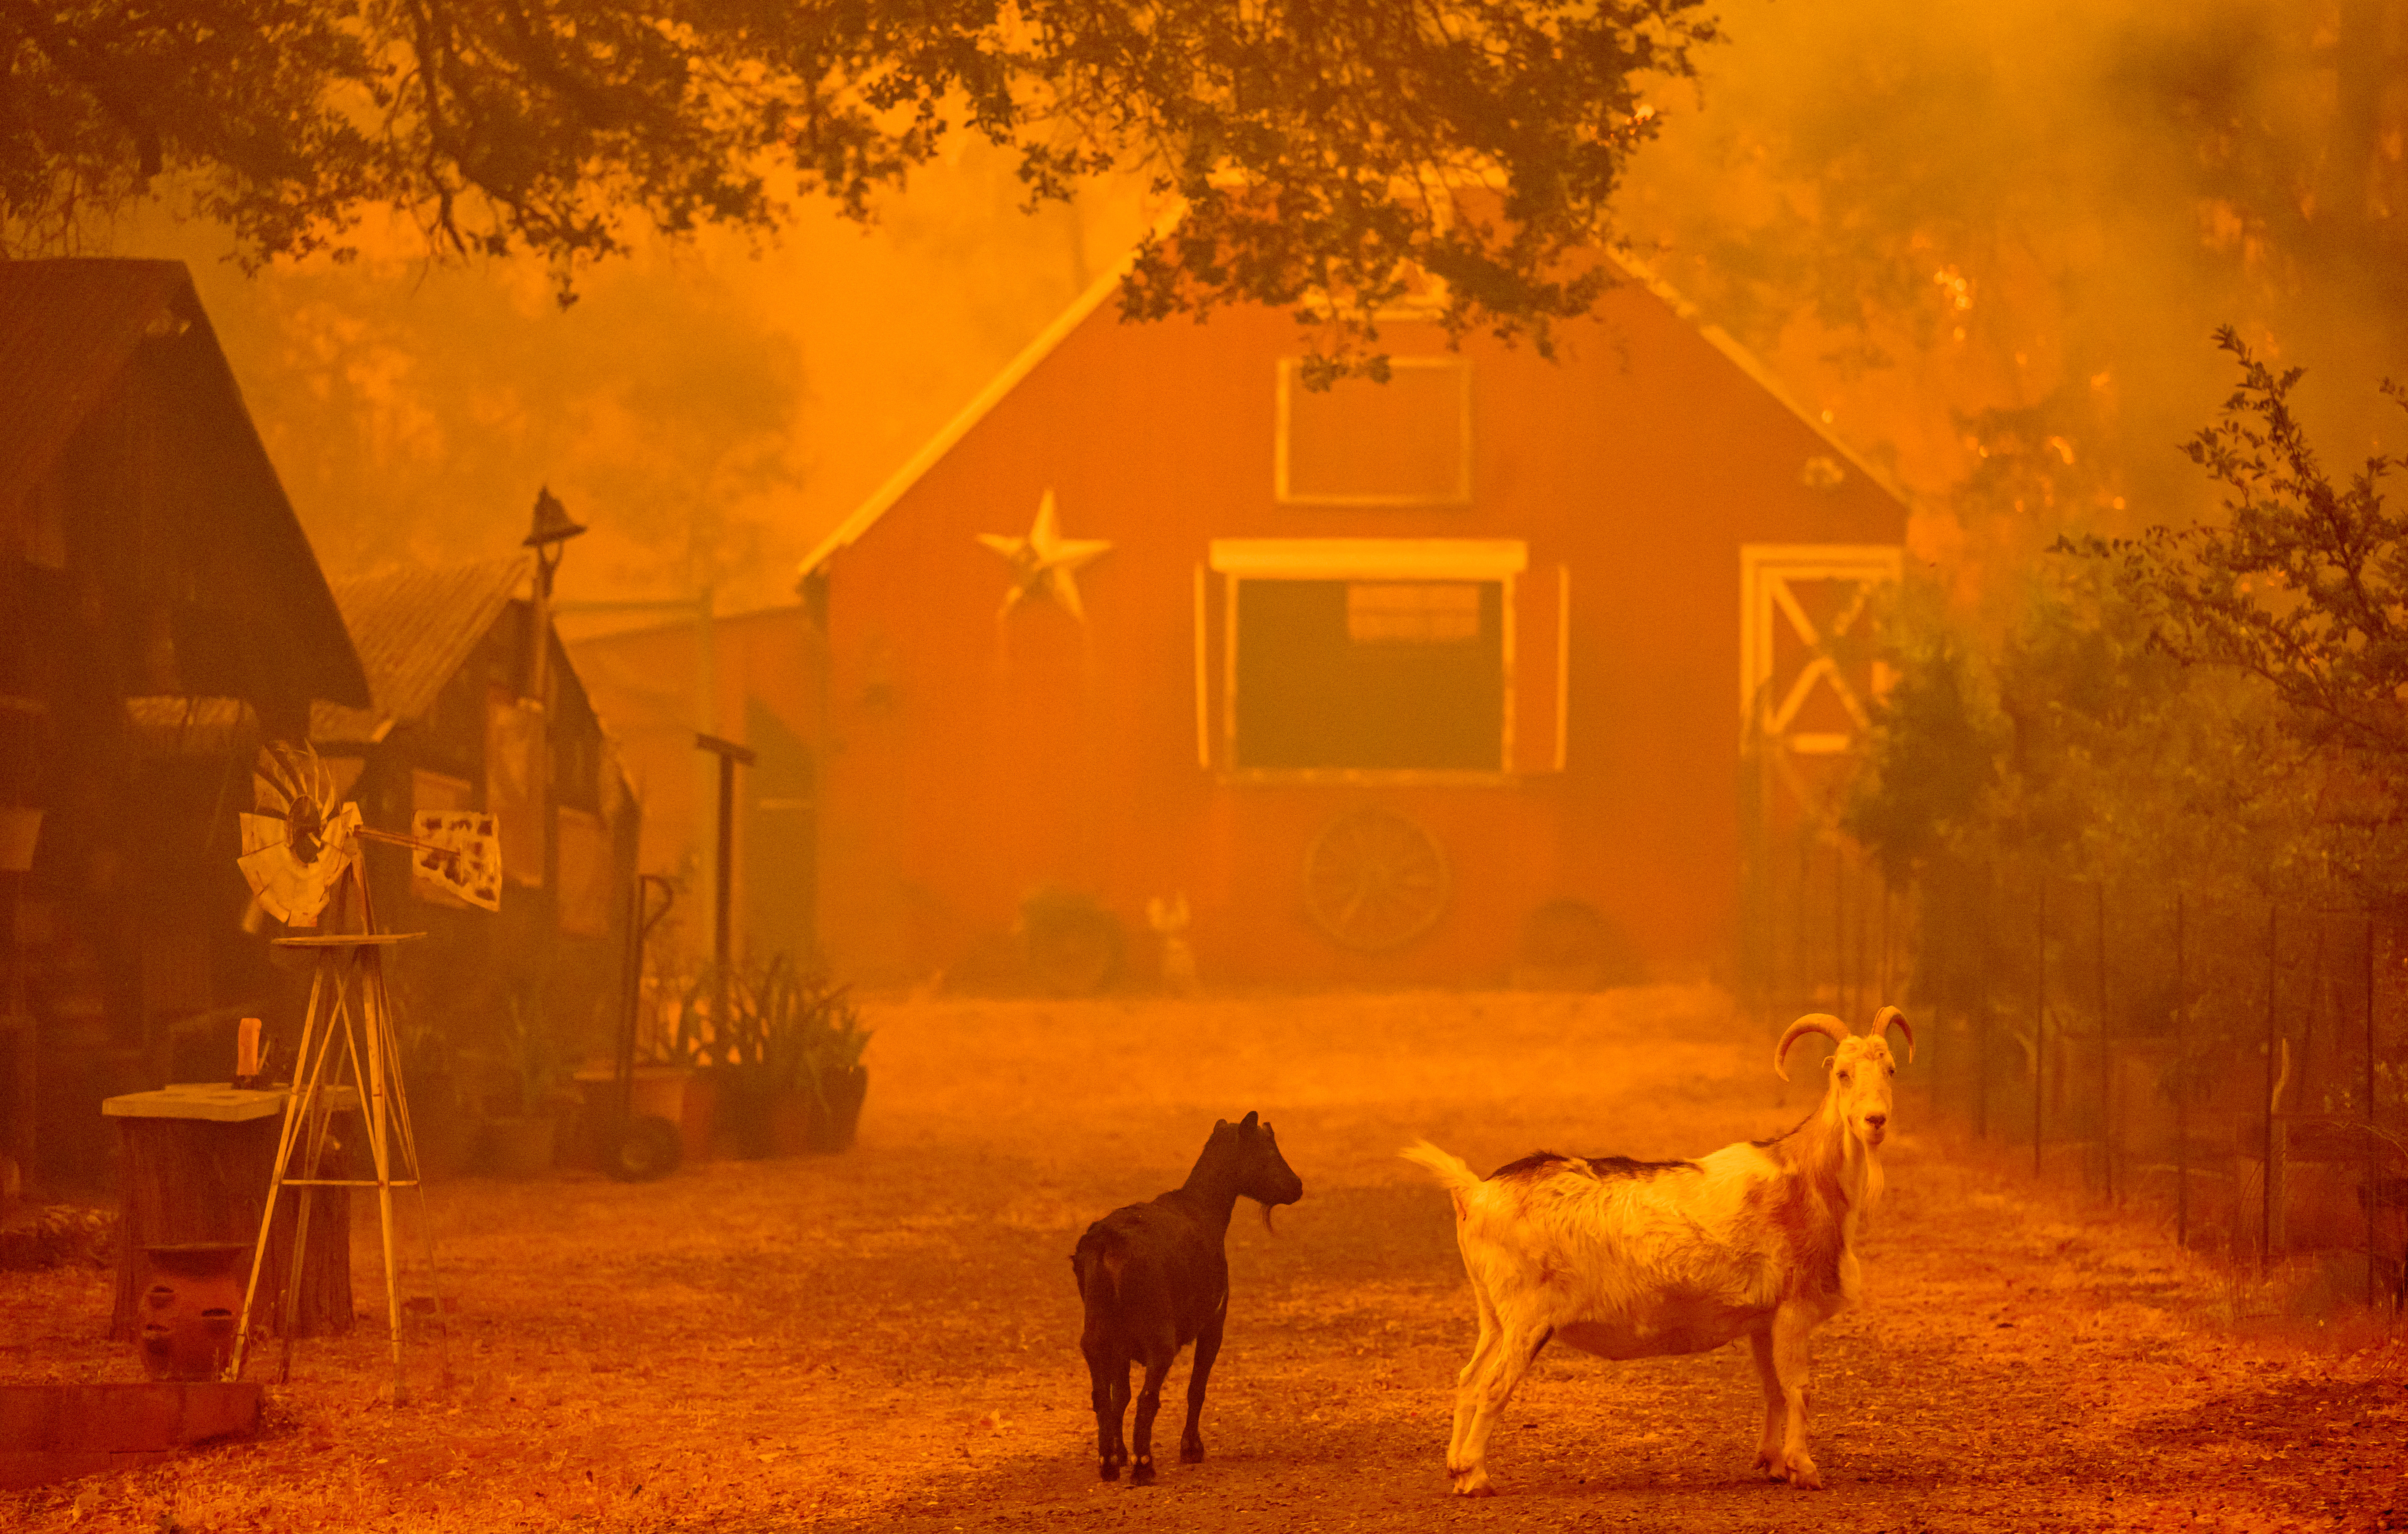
[636,1148]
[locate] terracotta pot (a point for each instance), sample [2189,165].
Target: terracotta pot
[20,828]
[791,1114]
[750,1115]
[835,1122]
[191,1297]
[519,1147]
[698,1115]
[679,1094]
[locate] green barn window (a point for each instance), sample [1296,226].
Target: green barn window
[1368,656]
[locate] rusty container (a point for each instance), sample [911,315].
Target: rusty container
[191,1297]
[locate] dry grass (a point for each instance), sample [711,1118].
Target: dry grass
[886,1340]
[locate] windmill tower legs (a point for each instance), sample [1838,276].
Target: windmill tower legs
[348,1041]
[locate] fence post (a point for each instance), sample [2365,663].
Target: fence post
[2373,1160]
[1803,976]
[2040,1025]
[1838,928]
[2266,1179]
[1981,1006]
[2106,1063]
[2182,1090]
[1881,970]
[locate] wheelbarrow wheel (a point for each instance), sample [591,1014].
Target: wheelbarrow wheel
[646,1148]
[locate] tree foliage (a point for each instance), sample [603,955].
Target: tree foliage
[2304,585]
[2216,706]
[1316,144]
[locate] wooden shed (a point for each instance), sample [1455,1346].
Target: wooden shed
[462,719]
[160,614]
[1472,676]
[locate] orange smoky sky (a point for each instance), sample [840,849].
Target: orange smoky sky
[707,407]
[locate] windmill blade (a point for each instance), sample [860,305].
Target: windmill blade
[269,795]
[277,780]
[260,832]
[293,887]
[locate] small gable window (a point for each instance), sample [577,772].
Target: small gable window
[1405,442]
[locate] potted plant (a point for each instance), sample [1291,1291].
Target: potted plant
[833,1043]
[522,1139]
[788,1059]
[761,1057]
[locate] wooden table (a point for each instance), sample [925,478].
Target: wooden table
[194,1168]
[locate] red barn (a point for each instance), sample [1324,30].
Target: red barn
[1422,682]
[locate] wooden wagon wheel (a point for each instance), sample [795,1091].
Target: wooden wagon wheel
[1374,880]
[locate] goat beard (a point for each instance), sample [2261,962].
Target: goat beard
[1267,1218]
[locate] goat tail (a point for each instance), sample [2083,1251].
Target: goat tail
[1097,1264]
[1453,1173]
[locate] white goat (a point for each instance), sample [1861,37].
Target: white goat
[1634,1259]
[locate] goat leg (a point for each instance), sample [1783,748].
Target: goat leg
[1103,1369]
[1776,1405]
[1466,1399]
[1793,1325]
[1120,1410]
[1208,1347]
[1149,1402]
[1517,1347]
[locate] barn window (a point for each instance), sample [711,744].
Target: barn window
[1368,655]
[1405,442]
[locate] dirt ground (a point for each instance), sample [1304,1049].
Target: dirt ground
[888,1340]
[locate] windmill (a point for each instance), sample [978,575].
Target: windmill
[297,845]
[301,854]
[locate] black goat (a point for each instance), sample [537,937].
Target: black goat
[1155,1279]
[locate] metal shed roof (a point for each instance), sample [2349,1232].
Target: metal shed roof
[414,629]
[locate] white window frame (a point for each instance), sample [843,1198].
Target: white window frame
[1502,561]
[1290,384]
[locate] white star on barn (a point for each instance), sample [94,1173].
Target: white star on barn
[1045,560]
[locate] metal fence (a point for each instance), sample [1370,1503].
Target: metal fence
[2233,1066]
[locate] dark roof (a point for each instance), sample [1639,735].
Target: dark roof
[71,332]
[414,629]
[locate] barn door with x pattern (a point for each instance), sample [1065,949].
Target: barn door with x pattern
[1806,692]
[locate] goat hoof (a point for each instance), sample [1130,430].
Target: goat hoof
[1192,1453]
[1108,1470]
[1474,1483]
[1803,1476]
[1141,1474]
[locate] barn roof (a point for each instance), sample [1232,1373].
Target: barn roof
[1047,341]
[70,331]
[414,629]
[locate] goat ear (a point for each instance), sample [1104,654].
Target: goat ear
[1249,1123]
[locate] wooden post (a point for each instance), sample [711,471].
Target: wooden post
[2040,1026]
[722,938]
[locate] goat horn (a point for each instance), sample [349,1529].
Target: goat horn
[1822,1023]
[1890,1017]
